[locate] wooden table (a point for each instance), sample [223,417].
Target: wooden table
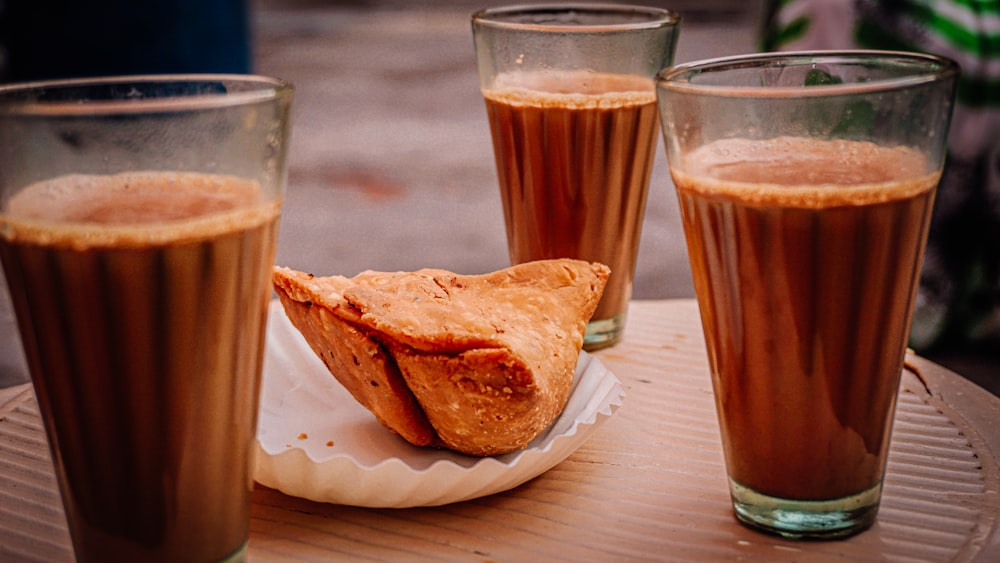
[648,485]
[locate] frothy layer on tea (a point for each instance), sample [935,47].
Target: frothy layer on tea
[133,209]
[800,172]
[571,90]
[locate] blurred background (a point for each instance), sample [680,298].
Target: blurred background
[391,164]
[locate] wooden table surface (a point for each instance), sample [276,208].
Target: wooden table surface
[648,485]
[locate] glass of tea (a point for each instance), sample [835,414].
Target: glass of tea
[806,183]
[138,220]
[571,103]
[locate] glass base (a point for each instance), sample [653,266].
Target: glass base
[238,556]
[603,333]
[798,519]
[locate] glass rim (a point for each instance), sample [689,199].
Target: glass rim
[16,98]
[928,68]
[499,17]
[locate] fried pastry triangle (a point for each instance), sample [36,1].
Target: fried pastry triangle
[478,364]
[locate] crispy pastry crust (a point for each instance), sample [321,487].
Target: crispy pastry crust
[478,364]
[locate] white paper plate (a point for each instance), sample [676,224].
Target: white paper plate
[316,442]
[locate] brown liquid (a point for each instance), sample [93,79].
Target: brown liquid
[805,256]
[141,302]
[574,158]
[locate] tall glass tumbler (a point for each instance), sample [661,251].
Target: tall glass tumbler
[138,221]
[806,182]
[572,109]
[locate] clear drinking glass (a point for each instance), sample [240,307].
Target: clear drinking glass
[806,182]
[572,108]
[138,220]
